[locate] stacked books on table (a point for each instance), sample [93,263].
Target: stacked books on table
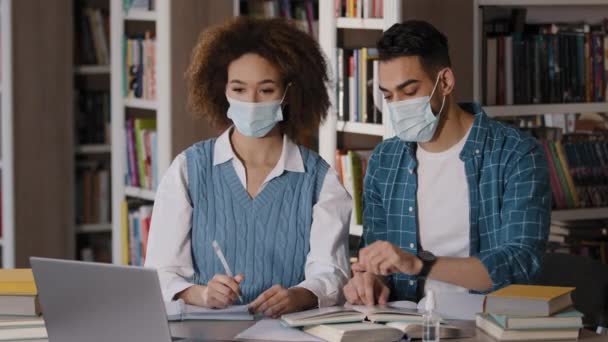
[528,312]
[19,308]
[361,323]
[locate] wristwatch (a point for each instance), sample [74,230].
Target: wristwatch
[428,260]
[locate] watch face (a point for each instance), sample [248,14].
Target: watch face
[426,256]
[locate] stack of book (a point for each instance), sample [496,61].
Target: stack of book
[92,36]
[544,63]
[357,88]
[136,221]
[528,312]
[139,77]
[141,153]
[19,307]
[351,167]
[359,8]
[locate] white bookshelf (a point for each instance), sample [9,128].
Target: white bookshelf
[360,23]
[140,104]
[6,118]
[177,26]
[361,128]
[140,15]
[120,191]
[328,31]
[138,193]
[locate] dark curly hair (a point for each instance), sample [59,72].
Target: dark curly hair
[416,38]
[295,54]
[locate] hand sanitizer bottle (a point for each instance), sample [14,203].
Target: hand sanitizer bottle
[430,320]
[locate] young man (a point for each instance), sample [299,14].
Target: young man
[456,201]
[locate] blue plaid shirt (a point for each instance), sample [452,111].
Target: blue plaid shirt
[509,193]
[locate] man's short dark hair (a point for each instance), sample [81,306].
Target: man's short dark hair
[416,38]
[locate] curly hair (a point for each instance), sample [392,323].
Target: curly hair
[295,54]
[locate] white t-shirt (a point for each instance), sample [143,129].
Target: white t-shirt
[443,207]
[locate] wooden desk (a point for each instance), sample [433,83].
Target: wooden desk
[226,331]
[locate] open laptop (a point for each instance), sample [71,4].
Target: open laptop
[84,301]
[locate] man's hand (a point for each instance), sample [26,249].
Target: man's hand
[384,258]
[366,289]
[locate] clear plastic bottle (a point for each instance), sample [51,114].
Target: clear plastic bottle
[430,320]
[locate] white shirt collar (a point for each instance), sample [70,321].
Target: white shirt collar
[290,159]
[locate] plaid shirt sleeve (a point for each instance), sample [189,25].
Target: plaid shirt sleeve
[525,216]
[374,216]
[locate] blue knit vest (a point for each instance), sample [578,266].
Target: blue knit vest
[266,238]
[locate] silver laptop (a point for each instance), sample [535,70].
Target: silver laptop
[84,301]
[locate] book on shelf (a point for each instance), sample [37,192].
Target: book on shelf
[141,5]
[92,117]
[357,91]
[578,167]
[544,63]
[359,8]
[141,153]
[139,74]
[138,222]
[92,36]
[92,192]
[95,247]
[351,167]
[303,13]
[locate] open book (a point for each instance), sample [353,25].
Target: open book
[351,314]
[180,311]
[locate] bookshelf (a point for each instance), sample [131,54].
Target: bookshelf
[7,240]
[91,84]
[175,26]
[332,30]
[539,12]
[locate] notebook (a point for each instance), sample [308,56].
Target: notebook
[273,330]
[528,300]
[179,311]
[350,314]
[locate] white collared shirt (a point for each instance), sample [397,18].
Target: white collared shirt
[169,245]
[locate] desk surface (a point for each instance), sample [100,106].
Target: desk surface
[226,331]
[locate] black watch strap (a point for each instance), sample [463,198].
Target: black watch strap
[428,260]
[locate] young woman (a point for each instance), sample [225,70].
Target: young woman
[276,209]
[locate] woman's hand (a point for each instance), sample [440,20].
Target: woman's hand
[219,293]
[278,301]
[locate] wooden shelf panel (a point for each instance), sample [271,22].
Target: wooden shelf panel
[552,108]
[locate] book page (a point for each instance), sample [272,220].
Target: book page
[273,330]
